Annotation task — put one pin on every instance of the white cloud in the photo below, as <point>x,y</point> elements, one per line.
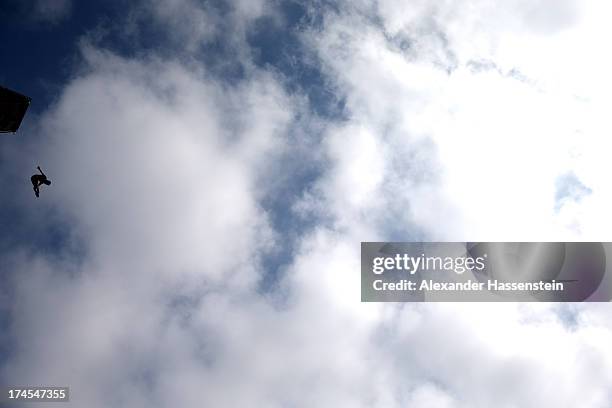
<point>150,143</point>
<point>500,137</point>
<point>161,189</point>
<point>163,171</point>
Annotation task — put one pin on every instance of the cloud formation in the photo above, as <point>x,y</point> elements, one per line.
<point>164,172</point>
<point>503,109</point>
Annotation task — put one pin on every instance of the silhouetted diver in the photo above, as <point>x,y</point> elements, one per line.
<point>38,180</point>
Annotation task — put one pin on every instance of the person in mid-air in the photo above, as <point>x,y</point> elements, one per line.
<point>39,180</point>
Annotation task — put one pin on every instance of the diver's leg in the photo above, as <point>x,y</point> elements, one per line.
<point>36,191</point>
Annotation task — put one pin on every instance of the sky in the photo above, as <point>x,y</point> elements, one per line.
<point>216,164</point>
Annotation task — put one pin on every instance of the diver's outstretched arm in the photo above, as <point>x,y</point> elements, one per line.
<point>41,172</point>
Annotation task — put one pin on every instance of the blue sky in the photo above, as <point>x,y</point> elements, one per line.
<point>34,41</point>
<point>216,165</point>
<point>39,55</point>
